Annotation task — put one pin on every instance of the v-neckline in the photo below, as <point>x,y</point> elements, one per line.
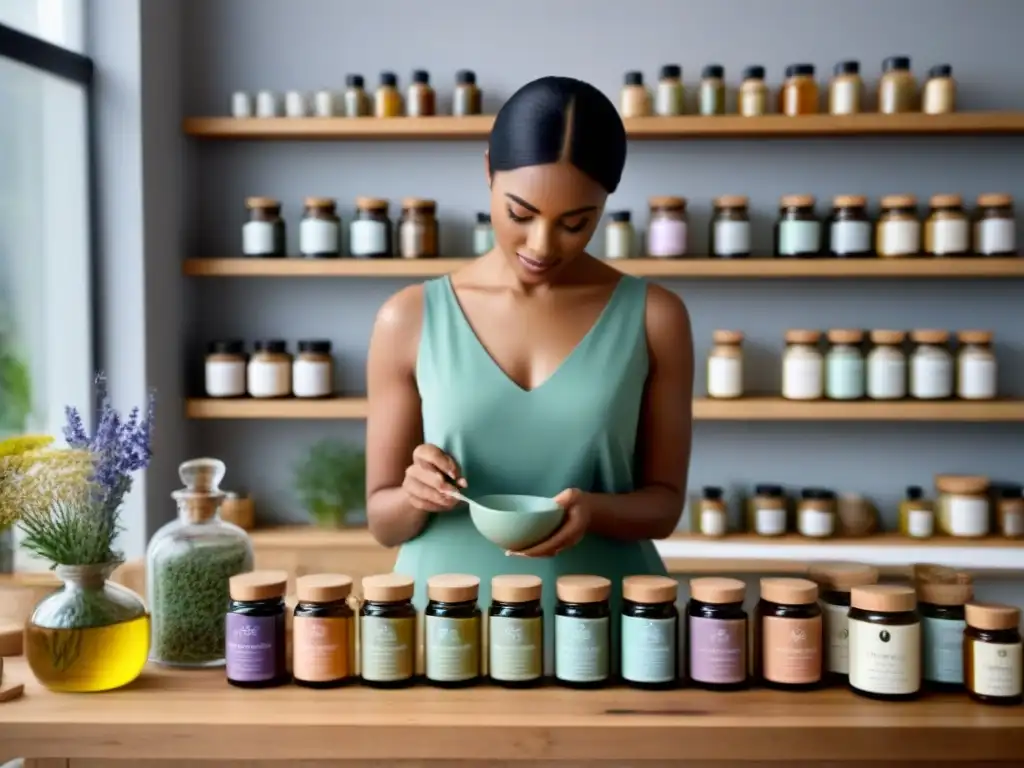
<point>573,353</point>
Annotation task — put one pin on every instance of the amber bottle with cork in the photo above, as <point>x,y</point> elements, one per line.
<point>387,631</point>
<point>255,628</point>
<point>943,622</point>
<point>323,632</point>
<point>798,230</point>
<point>788,635</point>
<point>993,662</point>
<point>885,642</point>
<point>799,94</point>
<point>947,230</point>
<point>421,100</point>
<point>452,631</point>
<point>898,234</point>
<point>516,631</point>
<point>650,632</point>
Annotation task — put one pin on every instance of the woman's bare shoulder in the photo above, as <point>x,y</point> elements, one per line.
<point>667,319</point>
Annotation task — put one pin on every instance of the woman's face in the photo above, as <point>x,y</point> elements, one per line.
<point>543,217</point>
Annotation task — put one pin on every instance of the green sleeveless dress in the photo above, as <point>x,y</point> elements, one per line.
<point>578,429</point>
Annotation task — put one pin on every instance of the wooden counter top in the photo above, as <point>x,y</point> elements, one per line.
<point>196,716</point>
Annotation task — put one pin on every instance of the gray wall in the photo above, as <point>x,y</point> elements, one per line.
<point>252,44</point>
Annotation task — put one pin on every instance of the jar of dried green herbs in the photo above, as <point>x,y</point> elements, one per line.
<point>188,564</point>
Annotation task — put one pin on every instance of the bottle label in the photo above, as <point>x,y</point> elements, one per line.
<point>725,376</point>
<point>581,649</point>
<point>815,523</point>
<point>319,236</point>
<point>668,100</point>
<point>920,523</point>
<point>666,238</point>
<point>837,632</point>
<point>850,237</point>
<point>322,648</point>
<point>901,237</point>
<point>967,516</point>
<point>844,377</point>
<point>718,650</point>
<point>258,238</point>
<point>731,238</point>
<point>770,522</point>
<point>516,648</point>
<point>998,669</point>
<point>884,659</point>
<point>452,648</point>
<point>387,648</point>
<point>887,375</point>
<point>799,237</point>
<point>943,649</point>
<point>269,378</point>
<point>950,236</point>
<point>792,650</point>
<point>311,378</point>
<point>618,241</point>
<point>251,648</point>
<point>225,379</point>
<point>931,376</point>
<point>712,522</point>
<point>367,237</point>
<point>649,651</point>
<point>977,377</point>
<point>1013,523</point>
<point>995,236</point>
<point>802,377</point>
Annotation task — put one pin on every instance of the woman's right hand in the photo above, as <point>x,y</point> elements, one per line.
<point>425,482</point>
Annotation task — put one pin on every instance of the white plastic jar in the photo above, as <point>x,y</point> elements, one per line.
<point>844,365</point>
<point>963,505</point>
<point>224,368</point>
<point>931,365</point>
<point>976,366</point>
<point>887,366</point>
<point>803,367</point>
<point>270,370</point>
<point>725,365</point>
<point>313,370</point>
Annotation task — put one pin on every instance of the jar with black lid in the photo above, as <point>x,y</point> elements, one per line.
<point>369,234</point>
<point>885,642</point>
<point>993,662</point>
<point>942,632</point>
<point>583,631</point>
<point>835,581</point>
<point>788,635</point>
<point>716,628</point>
<point>849,227</point>
<point>650,632</point>
<point>516,632</point>
<point>798,231</point>
<point>255,630</point>
<point>452,631</point>
<point>387,631</point>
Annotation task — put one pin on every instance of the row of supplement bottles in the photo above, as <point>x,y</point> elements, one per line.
<point>897,91</point>
<point>270,371</point>
<point>370,233</point>
<point>420,99</point>
<point>965,506</point>
<point>667,235</point>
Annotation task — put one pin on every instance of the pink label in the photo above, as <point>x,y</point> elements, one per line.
<point>666,238</point>
<point>718,650</point>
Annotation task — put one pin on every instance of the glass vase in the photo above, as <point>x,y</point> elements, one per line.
<point>91,635</point>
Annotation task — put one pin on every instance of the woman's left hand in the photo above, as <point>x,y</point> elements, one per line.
<point>575,524</point>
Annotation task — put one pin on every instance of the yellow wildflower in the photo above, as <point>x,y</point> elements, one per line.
<point>32,481</point>
<point>15,446</point>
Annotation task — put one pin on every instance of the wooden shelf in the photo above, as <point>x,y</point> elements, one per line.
<point>446,127</point>
<point>698,267</point>
<point>747,409</point>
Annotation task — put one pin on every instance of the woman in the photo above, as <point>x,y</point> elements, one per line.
<point>535,369</point>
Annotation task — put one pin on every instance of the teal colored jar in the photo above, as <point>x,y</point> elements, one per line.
<point>483,234</point>
<point>844,365</point>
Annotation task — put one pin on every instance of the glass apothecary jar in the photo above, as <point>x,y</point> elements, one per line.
<point>931,365</point>
<point>887,366</point>
<point>897,88</point>
<point>898,234</point>
<point>849,228</point>
<point>798,231</point>
<point>1010,512</point>
<point>667,228</point>
<point>976,366</point>
<point>917,514</point>
<point>418,233</point>
<point>816,513</point>
<point>995,230</point>
<point>725,365</point>
<point>189,562</point>
<point>947,230</point>
<point>767,513</point>
<point>730,227</point>
<point>844,365</point>
<point>964,507</point>
<point>803,367</point>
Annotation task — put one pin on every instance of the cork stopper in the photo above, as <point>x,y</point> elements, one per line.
<point>842,577</point>
<point>727,337</point>
<point>201,497</point>
<point>323,203</point>
<point>929,336</point>
<point>888,337</point>
<point>994,200</point>
<point>261,202</point>
<point>418,204</point>
<point>453,588</point>
<point>731,201</point>
<point>796,201</point>
<point>512,588</point>
<point>582,589</point>
<point>975,337</point>
<point>717,590</point>
<point>845,335</point>
<point>802,336</point>
<point>258,585</point>
<point>899,201</point>
<point>946,201</point>
<point>945,594</point>
<point>992,616</point>
<point>884,598</point>
<point>939,574</point>
<point>650,590</point>
<point>970,485</point>
<point>785,591</point>
<point>849,201</point>
<point>371,204</point>
<point>669,202</point>
<point>388,588</point>
<point>323,588</point>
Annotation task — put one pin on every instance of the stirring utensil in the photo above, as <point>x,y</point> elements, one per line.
<point>454,491</point>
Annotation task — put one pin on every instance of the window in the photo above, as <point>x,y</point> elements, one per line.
<point>46,313</point>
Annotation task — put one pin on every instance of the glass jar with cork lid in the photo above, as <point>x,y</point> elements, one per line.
<point>797,231</point>
<point>947,230</point>
<point>931,365</point>
<point>725,365</point>
<point>887,366</point>
<point>418,229</point>
<point>788,635</point>
<point>583,631</point>
<point>993,654</point>
<point>816,513</point>
<point>650,632</point>
<point>767,510</point>
<point>995,230</point>
<point>897,88</point>
<point>730,227</point>
<point>387,631</point>
<point>898,234</point>
<point>885,642</point>
<point>667,229</point>
<point>263,233</point>
<point>803,367</point>
<point>835,580</point>
<point>255,649</point>
<point>976,366</point>
<point>323,632</point>
<point>844,364</point>
<point>849,230</point>
<point>370,232</point>
<point>716,627</point>
<point>320,229</point>
<point>516,631</point>
<point>964,507</point>
<point>452,631</point>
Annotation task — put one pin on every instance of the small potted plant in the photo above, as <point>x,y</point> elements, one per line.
<point>330,482</point>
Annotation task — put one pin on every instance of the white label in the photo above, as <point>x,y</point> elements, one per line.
<point>649,649</point>
<point>885,659</point>
<point>976,379</point>
<point>225,378</point>
<point>769,522</point>
<point>887,375</point>
<point>998,669</point>
<point>1013,523</point>
<point>266,379</point>
<point>799,237</point>
<point>900,238</point>
<point>995,236</point>
<point>618,241</point>
<point>367,237</point>
<point>815,524</point>
<point>920,523</point>
<point>802,377</point>
<point>950,236</point>
<point>712,522</point>
<point>967,517</point>
<point>311,378</point>
<point>731,238</point>
<point>931,375</point>
<point>581,649</point>
<point>851,237</point>
<point>319,236</point>
<point>837,652</point>
<point>666,238</point>
<point>725,376</point>
<point>258,238</point>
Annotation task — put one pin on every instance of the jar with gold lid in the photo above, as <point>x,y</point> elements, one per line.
<point>263,233</point>
<point>799,93</point>
<point>897,89</point>
<point>887,366</point>
<point>975,366</point>
<point>417,229</point>
<point>270,370</point>
<point>767,512</point>
<point>849,227</point>
<point>320,229</point>
<point>995,230</point>
<point>835,581</point>
<point>931,365</point>
<point>753,94</point>
<point>1010,512</point>
<point>730,227</point>
<point>667,229</point>
<point>725,365</point>
<point>947,230</point>
<point>939,96</point>
<point>993,654</point>
<point>898,233</point>
<point>816,513</point>
<point>963,505</point>
<point>844,364</point>
<point>369,234</point>
<point>846,91</point>
<point>798,231</point>
<point>803,367</point>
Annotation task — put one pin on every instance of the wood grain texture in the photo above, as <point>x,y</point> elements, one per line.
<point>674,763</point>
<point>197,716</point>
